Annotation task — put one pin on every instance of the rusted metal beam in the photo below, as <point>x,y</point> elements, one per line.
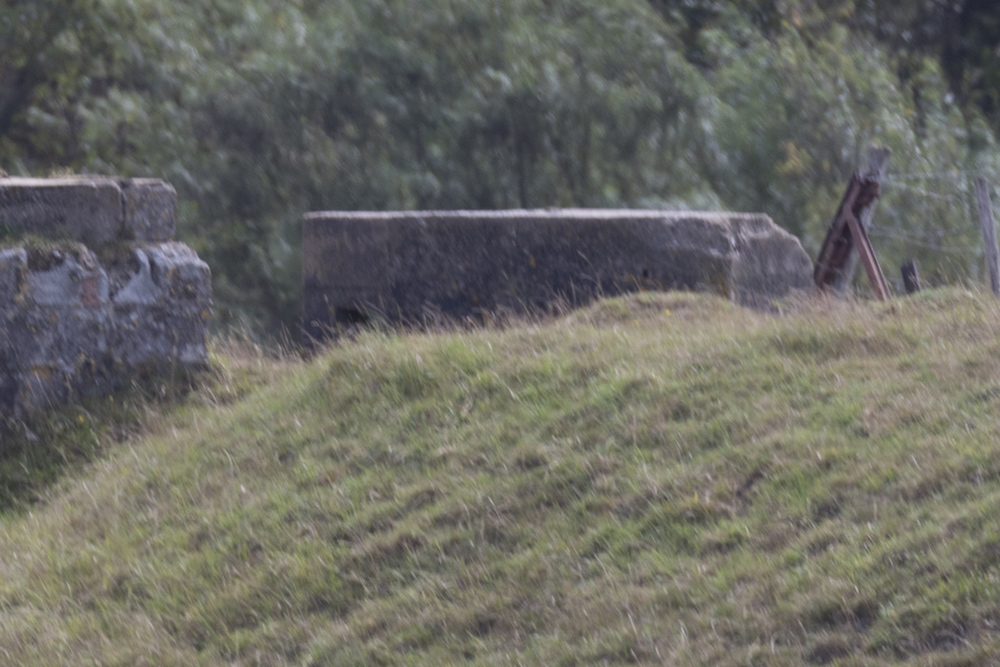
<point>839,242</point>
<point>875,276</point>
<point>878,162</point>
<point>846,234</point>
<point>911,276</point>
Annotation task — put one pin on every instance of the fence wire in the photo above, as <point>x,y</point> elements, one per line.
<point>924,196</point>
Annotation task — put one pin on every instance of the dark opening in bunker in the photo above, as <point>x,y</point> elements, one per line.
<point>350,316</point>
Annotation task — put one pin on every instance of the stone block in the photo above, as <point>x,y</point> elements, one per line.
<point>163,309</point>
<point>770,264</point>
<point>66,277</point>
<point>56,351</point>
<point>403,267</point>
<point>166,272</point>
<point>178,272</point>
<point>150,335</point>
<point>72,325</point>
<point>150,210</point>
<point>88,210</point>
<point>13,275</point>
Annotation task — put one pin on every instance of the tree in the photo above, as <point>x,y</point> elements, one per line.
<point>42,55</point>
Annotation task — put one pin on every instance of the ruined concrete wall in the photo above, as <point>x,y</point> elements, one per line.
<point>92,289</point>
<point>406,266</point>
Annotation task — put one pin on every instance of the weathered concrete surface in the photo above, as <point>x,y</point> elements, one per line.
<point>404,267</point>
<point>63,332</point>
<point>79,209</point>
<point>162,312</point>
<point>72,323</point>
<point>91,210</point>
<point>150,209</point>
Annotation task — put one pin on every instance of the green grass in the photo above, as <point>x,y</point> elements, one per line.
<point>656,479</point>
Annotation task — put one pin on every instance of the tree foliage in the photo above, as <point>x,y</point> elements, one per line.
<point>258,111</point>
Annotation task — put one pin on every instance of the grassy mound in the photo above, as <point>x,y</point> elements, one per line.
<point>657,479</point>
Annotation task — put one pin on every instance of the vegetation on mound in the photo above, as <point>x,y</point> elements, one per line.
<point>659,478</point>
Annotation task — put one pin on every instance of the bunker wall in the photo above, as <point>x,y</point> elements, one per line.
<point>407,267</point>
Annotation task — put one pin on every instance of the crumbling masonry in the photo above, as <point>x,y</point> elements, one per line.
<point>93,289</point>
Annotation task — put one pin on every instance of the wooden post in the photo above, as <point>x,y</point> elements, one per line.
<point>878,162</point>
<point>911,277</point>
<point>989,234</point>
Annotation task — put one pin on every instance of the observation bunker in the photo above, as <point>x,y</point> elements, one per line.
<point>413,267</point>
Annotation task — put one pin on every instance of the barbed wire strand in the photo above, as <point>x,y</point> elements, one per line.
<point>922,241</point>
<point>907,236</point>
<point>923,192</point>
<point>931,175</point>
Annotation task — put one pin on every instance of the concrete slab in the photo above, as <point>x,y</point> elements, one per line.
<point>408,267</point>
<point>88,210</point>
<point>150,210</point>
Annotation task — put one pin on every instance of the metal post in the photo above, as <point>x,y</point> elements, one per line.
<point>989,234</point>
<point>878,162</point>
<point>911,277</point>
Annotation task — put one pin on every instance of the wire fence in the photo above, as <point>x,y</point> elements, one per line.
<point>934,175</point>
<point>932,216</point>
<point>930,244</point>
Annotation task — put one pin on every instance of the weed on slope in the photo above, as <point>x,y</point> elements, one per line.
<point>656,479</point>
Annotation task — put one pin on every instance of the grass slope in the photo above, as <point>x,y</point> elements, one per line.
<point>658,479</point>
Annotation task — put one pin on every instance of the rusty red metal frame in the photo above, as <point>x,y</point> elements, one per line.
<point>846,233</point>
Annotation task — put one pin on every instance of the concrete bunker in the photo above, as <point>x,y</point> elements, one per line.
<point>93,289</point>
<point>407,267</point>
